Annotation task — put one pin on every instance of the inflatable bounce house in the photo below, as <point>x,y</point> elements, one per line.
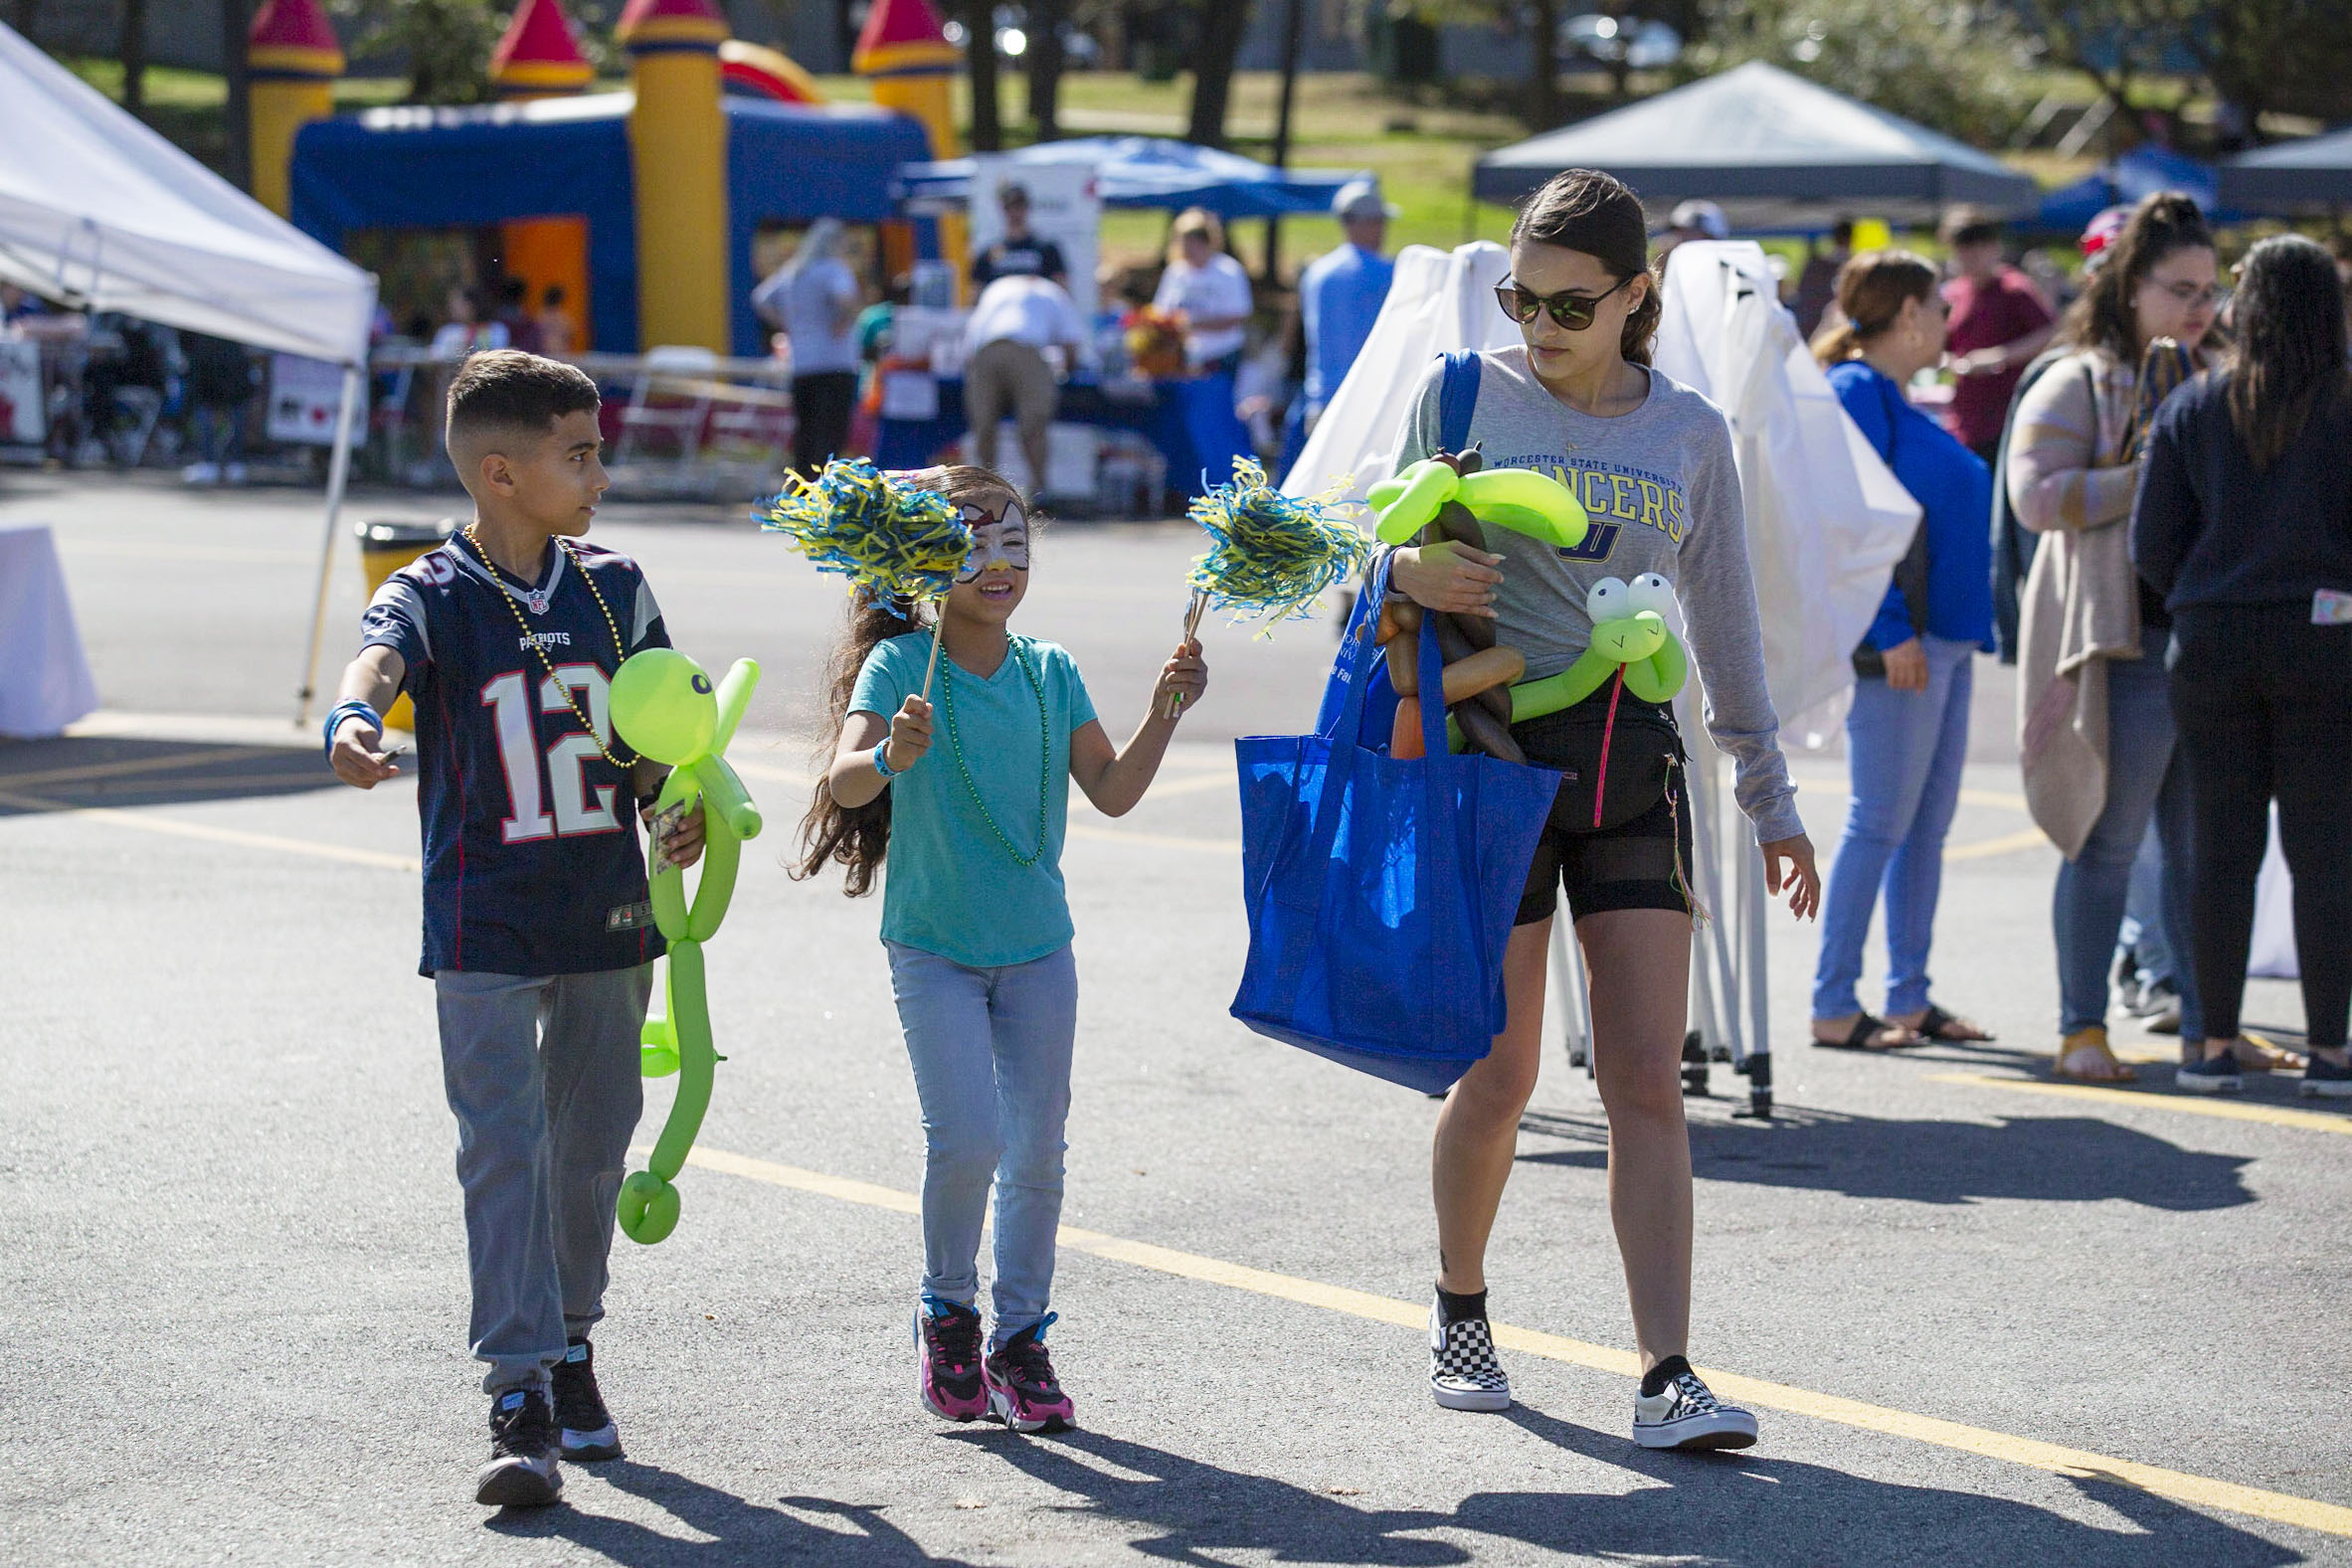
<point>642,203</point>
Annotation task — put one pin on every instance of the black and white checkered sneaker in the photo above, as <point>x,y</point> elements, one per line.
<point>1683,1414</point>
<point>1464,1373</point>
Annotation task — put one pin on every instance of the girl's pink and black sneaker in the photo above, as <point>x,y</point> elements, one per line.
<point>951,1382</point>
<point>1023,1393</point>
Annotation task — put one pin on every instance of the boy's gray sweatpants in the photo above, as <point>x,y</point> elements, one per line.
<point>543,1074</point>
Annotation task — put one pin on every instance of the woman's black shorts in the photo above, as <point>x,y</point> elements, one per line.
<point>1639,864</point>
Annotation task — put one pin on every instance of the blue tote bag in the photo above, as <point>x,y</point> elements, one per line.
<point>1380,891</point>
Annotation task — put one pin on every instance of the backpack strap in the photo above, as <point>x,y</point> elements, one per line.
<point>1457,399</point>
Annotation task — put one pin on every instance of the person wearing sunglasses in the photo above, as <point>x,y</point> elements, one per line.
<point>2094,720</point>
<point>1651,463</point>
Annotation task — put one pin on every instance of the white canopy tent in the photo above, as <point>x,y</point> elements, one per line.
<point>98,212</point>
<point>1826,523</point>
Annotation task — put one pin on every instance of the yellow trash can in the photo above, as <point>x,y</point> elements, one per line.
<point>384,547</point>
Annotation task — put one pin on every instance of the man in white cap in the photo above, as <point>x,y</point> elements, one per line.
<point>1339,294</point>
<point>1693,220</point>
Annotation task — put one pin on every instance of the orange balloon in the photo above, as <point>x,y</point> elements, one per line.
<point>1404,735</point>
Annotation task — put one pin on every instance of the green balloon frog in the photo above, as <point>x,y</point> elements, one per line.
<point>664,707</point>
<point>1629,633</point>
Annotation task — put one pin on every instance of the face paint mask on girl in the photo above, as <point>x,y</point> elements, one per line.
<point>996,539</point>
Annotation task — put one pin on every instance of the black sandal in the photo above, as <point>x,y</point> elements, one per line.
<point>1935,1020</point>
<point>1866,1026</point>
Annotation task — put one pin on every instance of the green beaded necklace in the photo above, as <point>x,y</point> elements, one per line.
<point>947,700</point>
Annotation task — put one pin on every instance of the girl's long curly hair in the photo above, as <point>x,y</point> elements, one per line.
<point>858,838</point>
<point>2291,351</point>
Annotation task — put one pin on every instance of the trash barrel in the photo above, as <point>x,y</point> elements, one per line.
<point>385,546</point>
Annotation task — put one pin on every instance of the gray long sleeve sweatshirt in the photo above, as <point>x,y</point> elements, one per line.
<point>1663,495</point>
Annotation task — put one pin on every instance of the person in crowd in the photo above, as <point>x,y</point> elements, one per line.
<point>2000,321</point>
<point>557,337</point>
<point>876,321</point>
<point>1021,252</point>
<point>1578,400</point>
<point>1693,220</point>
<point>1209,290</point>
<point>1817,284</point>
<point>1906,734</point>
<point>2243,523</point>
<point>1341,293</point>
<point>1015,324</point>
<point>2094,725</point>
<point>465,333</point>
<point>220,388</point>
<point>814,299</point>
<point>514,314</point>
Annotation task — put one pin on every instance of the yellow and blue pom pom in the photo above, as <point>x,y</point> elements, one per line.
<point>1272,555</point>
<point>893,540</point>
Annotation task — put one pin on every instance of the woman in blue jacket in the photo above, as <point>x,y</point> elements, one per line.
<point>1907,735</point>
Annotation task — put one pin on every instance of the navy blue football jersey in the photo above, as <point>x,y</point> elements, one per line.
<point>531,856</point>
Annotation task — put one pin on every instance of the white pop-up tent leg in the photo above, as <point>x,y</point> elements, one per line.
<point>338,473</point>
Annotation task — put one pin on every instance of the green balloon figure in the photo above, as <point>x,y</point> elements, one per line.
<point>1629,633</point>
<point>664,707</point>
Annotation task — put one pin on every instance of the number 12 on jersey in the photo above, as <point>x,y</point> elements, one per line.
<point>578,810</point>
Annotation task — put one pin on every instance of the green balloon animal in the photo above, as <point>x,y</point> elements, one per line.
<point>1629,633</point>
<point>664,707</point>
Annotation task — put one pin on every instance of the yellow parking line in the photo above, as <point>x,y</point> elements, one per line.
<point>2227,1110</point>
<point>148,822</point>
<point>134,765</point>
<point>1985,849</point>
<point>2180,1486</point>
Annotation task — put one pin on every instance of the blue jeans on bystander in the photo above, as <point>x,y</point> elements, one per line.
<point>1905,751</point>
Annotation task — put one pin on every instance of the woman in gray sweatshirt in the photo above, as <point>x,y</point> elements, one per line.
<point>1651,463</point>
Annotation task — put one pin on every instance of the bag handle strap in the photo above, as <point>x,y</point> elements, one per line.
<point>1457,399</point>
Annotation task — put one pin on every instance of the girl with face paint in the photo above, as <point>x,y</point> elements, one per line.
<point>966,794</point>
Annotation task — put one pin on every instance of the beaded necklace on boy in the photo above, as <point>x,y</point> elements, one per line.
<point>947,700</point>
<point>539,603</point>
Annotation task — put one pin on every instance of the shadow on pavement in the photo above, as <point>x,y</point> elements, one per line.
<point>1711,1509</point>
<point>2047,1159</point>
<point>739,1531</point>
<point>106,771</point>
<point>1757,1512</point>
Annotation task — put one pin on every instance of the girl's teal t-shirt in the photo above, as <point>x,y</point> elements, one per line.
<point>949,886</point>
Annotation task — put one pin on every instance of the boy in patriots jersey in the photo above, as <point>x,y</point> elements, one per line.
<point>538,933</point>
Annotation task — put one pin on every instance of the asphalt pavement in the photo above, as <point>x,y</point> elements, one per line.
<point>1984,1319</point>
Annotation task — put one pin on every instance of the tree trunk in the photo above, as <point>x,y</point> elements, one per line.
<point>235,19</point>
<point>1293,20</point>
<point>979,55</point>
<point>1543,109</point>
<point>134,56</point>
<point>1219,44</point>
<point>1045,62</point>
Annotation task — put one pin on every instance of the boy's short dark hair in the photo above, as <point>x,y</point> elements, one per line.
<point>505,388</point>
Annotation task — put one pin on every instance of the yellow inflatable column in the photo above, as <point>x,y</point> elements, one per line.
<point>678,137</point>
<point>293,58</point>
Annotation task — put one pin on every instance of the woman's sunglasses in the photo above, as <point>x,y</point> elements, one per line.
<point>1573,312</point>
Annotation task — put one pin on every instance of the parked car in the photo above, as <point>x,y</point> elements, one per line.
<point>1611,41</point>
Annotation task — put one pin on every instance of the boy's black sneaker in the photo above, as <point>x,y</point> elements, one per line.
<point>522,1471</point>
<point>587,1432</point>
<point>2323,1079</point>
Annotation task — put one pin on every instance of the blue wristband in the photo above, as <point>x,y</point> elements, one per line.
<point>882,763</point>
<point>348,710</point>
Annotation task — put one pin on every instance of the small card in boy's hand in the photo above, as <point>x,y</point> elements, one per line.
<point>663,824</point>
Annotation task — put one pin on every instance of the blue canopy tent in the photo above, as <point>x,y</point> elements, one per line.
<point>2313,175</point>
<point>1152,171</point>
<point>431,168</point>
<point>2138,174</point>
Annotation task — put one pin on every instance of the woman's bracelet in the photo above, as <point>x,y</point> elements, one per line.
<point>882,760</point>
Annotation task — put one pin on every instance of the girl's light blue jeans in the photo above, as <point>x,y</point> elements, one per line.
<point>1905,750</point>
<point>2143,784</point>
<point>990,1050</point>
